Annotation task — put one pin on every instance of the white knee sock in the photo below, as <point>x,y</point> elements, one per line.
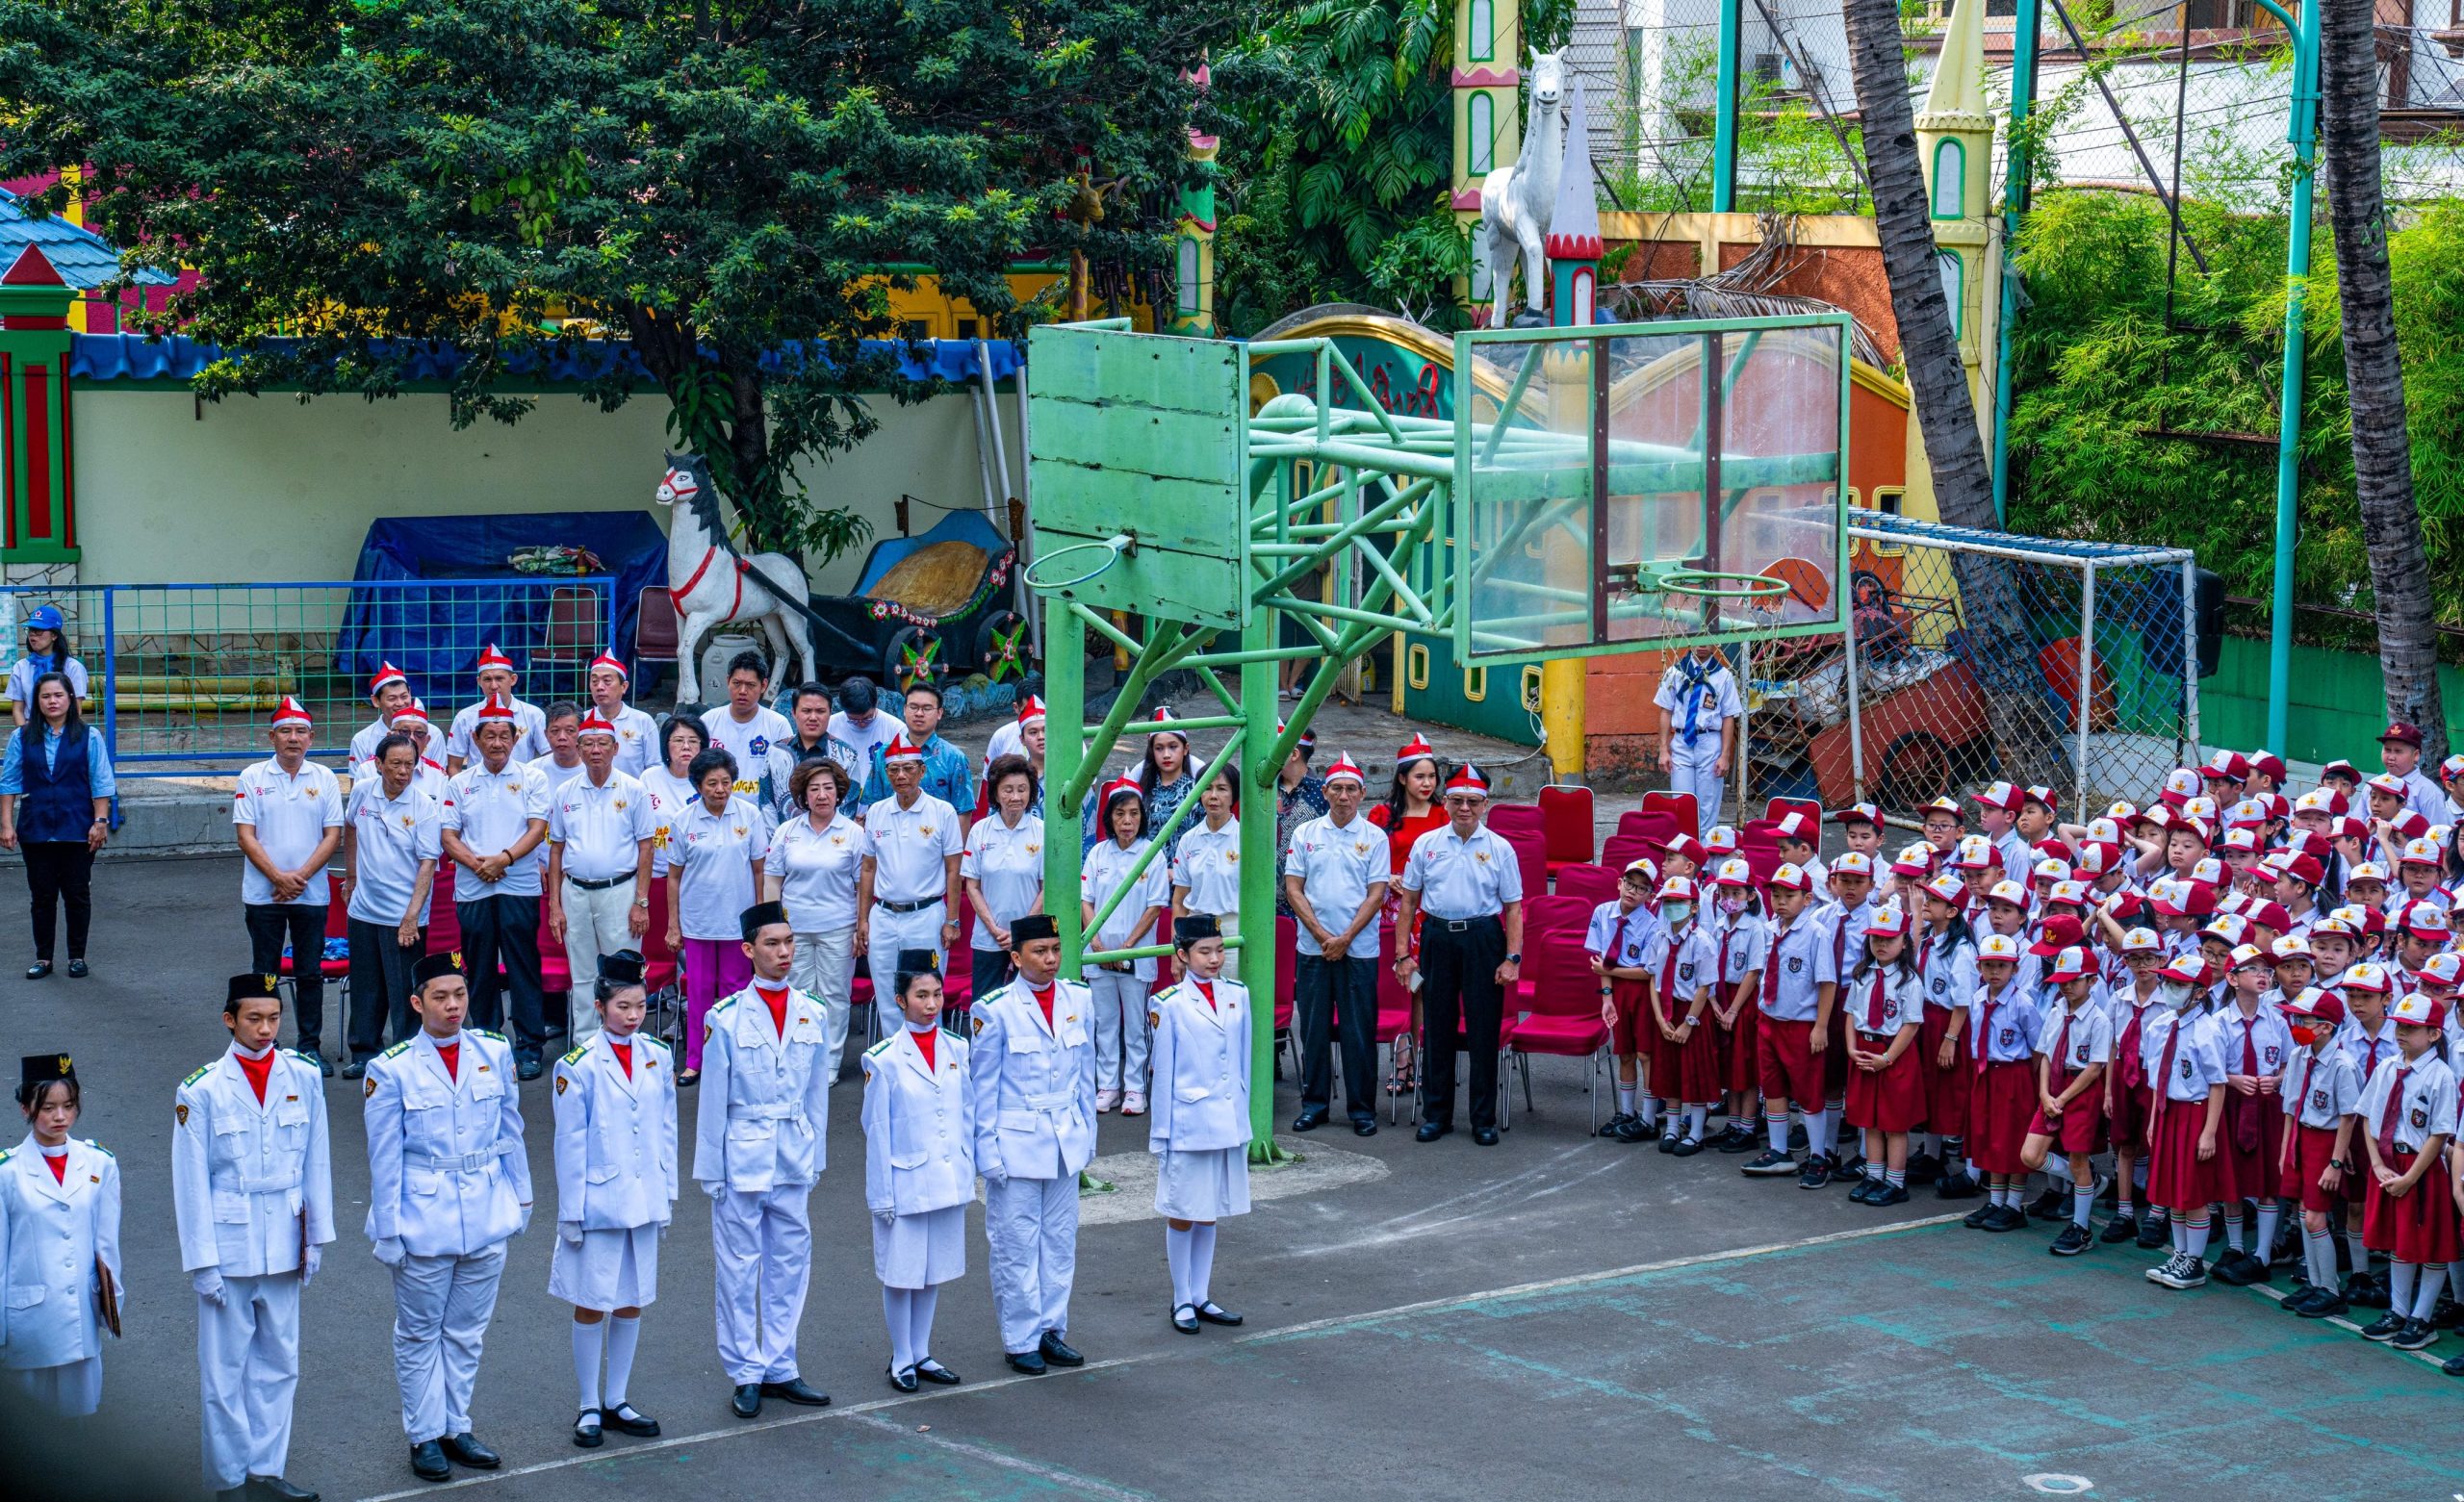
<point>2233,1229</point>
<point>1201,1262</point>
<point>2057,1167</point>
<point>1818,1132</point>
<point>2360,1253</point>
<point>2195,1235</point>
<point>1646,1109</point>
<point>2083,1199</point>
<point>1695,1117</point>
<point>895,1304</point>
<point>623,1335</point>
<point>2270,1218</point>
<point>1176,1253</point>
<point>2319,1251</point>
<point>1626,1098</point>
<point>919,1321</point>
<point>2181,1237</point>
<point>588,1341</point>
<point>2400,1286</point>
<point>1776,1124</point>
<point>2425,1300</point>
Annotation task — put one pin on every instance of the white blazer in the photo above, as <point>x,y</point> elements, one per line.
<point>765,1111</point>
<point>1201,1061</point>
<point>51,1234</point>
<point>616,1136</point>
<point>1034,1086</point>
<point>253,1183</point>
<point>446,1173</point>
<point>919,1126</point>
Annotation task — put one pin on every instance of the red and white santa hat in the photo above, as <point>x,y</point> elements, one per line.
<point>1345,769</point>
<point>594,724</point>
<point>607,660</point>
<point>494,708</point>
<point>1468,780</point>
<point>901,748</point>
<point>290,712</point>
<point>412,711</point>
<point>1163,720</point>
<point>1417,749</point>
<point>490,657</point>
<point>387,675</point>
<point>1030,712</point>
<point>1119,788</point>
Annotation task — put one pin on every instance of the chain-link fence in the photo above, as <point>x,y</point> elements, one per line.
<point>1973,656</point>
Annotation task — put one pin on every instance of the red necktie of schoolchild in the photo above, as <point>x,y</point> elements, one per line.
<point>2388,1114</point>
<point>2247,1107</point>
<point>1874,1003</point>
<point>2062,1046</point>
<point>1771,968</point>
<point>2164,1080</point>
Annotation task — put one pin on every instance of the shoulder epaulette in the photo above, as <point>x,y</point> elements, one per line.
<point>575,1057</point>
<point>202,1070</point>
<point>485,1033</point>
<point>9,1154</point>
<point>883,1044</point>
<point>302,1057</point>
<point>98,1147</point>
<point>722,1006</point>
<point>396,1049</point>
<point>653,1042</point>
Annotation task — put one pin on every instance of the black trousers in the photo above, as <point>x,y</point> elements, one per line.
<point>504,930</point>
<point>57,872</point>
<point>993,970</point>
<point>1459,984</point>
<point>1337,996</point>
<point>380,985</point>
<point>303,925</point>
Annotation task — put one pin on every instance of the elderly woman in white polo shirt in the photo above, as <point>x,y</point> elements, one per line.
<point>712,860</point>
<point>812,867</point>
<point>1003,870</point>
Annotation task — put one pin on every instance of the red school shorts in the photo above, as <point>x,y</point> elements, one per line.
<point>1787,1068</point>
<point>2310,1149</point>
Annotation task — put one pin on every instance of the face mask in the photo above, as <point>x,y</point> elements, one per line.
<point>2173,993</point>
<point>1732,903</point>
<point>1677,914</point>
<point>2306,1033</point>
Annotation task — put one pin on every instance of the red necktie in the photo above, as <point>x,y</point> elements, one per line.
<point>1206,988</point>
<point>1771,968</point>
<point>923,1041</point>
<point>58,1164</point>
<point>776,1002</point>
<point>451,1054</point>
<point>2387,1116</point>
<point>1043,999</point>
<point>2247,1107</point>
<point>1726,936</point>
<point>1874,1004</point>
<point>2062,1045</point>
<point>1668,981</point>
<point>624,1056</point>
<point>1983,1042</point>
<point>2165,1066</point>
<point>257,1069</point>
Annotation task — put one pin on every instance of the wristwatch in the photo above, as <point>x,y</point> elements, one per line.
<point>1515,959</point>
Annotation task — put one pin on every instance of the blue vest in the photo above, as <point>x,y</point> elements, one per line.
<point>60,800</point>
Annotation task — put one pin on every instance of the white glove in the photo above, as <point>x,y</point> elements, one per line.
<point>389,1251</point>
<point>713,1187</point>
<point>208,1282</point>
<point>997,1174</point>
<point>523,1228</point>
<point>310,1260</point>
<point>570,1230</point>
<point>886,1216</point>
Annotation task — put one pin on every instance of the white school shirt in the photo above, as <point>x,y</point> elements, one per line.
<point>1680,965</point>
<point>1337,864</point>
<point>2085,1035</point>
<point>2197,1066</point>
<point>2428,1108</point>
<point>23,675</point>
<point>1740,943</point>
<point>290,812</point>
<point>636,738</point>
<point>1796,965</point>
<point>2422,796</point>
<point>1458,878</point>
<point>1621,938</point>
<point>529,731</point>
<point>392,836</point>
<point>1949,972</point>
<point>490,810</point>
<point>716,852</point>
<point>2271,1040</point>
<point>1208,862</point>
<point>1105,867</point>
<point>1008,862</point>
<point>749,741</point>
<point>2004,1027</point>
<point>1883,1000</point>
<point>818,871</point>
<point>601,826</point>
<point>2320,1088</point>
<point>557,777</point>
<point>908,846</point>
<point>1719,700</point>
<point>2367,1050</point>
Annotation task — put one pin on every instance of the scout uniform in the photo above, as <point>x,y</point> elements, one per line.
<point>59,1243</point>
<point>919,1177</point>
<point>252,1186</point>
<point>1200,1126</point>
<point>1031,1072</point>
<point>1699,695</point>
<point>759,1147</point>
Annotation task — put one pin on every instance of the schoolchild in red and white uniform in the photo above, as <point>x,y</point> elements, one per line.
<point>2408,1118</point>
<point>2074,1046</point>
<point>1998,1055</point>
<point>2128,1095</point>
<point>1740,937</point>
<point>1683,961</point>
<point>1796,999</point>
<point>1883,1007</point>
<point>1620,933</point>
<point>2256,1047</point>
<point>2322,1092</point>
<point>2188,1170</point>
<point>1946,958</point>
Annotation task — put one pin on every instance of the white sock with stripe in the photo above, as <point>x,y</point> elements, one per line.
<point>2083,1199</point>
<point>2400,1286</point>
<point>2425,1300</point>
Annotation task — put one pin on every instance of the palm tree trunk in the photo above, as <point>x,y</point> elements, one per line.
<point>2382,460</point>
<point>2000,650</point>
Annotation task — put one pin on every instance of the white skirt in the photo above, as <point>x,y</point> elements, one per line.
<point>920,1251</point>
<point>73,1390</point>
<point>1202,1185</point>
<point>610,1270</point>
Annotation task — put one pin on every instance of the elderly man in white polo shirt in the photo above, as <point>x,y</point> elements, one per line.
<point>907,893</point>
<point>494,820</point>
<point>598,869</point>
<point>389,844</point>
<point>1464,878</point>
<point>636,732</point>
<point>288,814</point>
<point>1335,879</point>
<point>496,681</point>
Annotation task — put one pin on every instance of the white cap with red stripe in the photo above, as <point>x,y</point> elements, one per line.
<point>387,675</point>
<point>1030,712</point>
<point>900,749</point>
<point>594,724</point>
<point>1468,780</point>
<point>607,660</point>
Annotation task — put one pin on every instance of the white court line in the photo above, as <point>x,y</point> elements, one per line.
<point>1081,1486</point>
<point>2280,1296</point>
<point>861,1412</point>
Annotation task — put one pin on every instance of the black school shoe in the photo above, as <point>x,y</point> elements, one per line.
<point>1865,1190</point>
<point>2073,1240</point>
<point>2324,1304</point>
<point>2416,1335</point>
<point>1637,1130</point>
<point>1737,1138</point>
<point>2121,1227</point>
<point>1976,1218</point>
<point>1818,1172</point>
<point>2155,1230</point>
<point>1923,1168</point>
<point>2386,1326</point>
<point>2239,1269</point>
<point>2006,1217</point>
<point>1961,1185</point>
<point>2051,1204</point>
<point>1771,1165</point>
<point>1887,1193</point>
<point>2365,1290</point>
<point>1615,1126</point>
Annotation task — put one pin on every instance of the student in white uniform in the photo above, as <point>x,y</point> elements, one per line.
<point>1121,987</point>
<point>1200,1127</point>
<point>252,1186</point>
<point>1699,709</point>
<point>907,895</point>
<point>1033,1075</point>
<point>496,674</point>
<point>615,1103</point>
<point>759,1147</point>
<point>59,1243</point>
<point>448,1187</point>
<point>2322,1093</point>
<point>2407,1115</point>
<point>920,1167</point>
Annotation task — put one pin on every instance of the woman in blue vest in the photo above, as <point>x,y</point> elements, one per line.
<point>56,792</point>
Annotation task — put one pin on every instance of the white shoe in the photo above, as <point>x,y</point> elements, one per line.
<point>1133,1104</point>
<point>1106,1100</point>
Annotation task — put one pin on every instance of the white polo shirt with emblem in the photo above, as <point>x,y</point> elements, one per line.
<point>598,824</point>
<point>529,731</point>
<point>1458,878</point>
<point>490,810</point>
<point>1337,864</point>
<point>390,836</point>
<point>908,847</point>
<point>290,812</point>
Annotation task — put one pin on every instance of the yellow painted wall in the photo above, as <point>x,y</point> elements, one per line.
<point>942,317</point>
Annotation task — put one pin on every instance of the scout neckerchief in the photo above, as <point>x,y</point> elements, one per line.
<point>1696,676</point>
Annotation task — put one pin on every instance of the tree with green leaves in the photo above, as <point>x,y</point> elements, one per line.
<point>732,186</point>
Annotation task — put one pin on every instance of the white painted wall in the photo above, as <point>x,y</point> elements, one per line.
<point>268,488</point>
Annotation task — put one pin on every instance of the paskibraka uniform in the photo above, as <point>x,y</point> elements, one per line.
<point>449,1185</point>
<point>919,1177</point>
<point>59,1220</point>
<point>1033,1073</point>
<point>757,1150</point>
<point>616,1171</point>
<point>252,1186</point>
<point>1199,1126</point>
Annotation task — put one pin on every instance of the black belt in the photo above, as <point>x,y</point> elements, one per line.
<point>1463,924</point>
<point>599,886</point>
<point>906,907</point>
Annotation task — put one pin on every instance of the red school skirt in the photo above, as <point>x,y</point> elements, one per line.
<point>1946,1091</point>
<point>2312,1148</point>
<point>2252,1134</point>
<point>2001,1102</point>
<point>1789,1071</point>
<point>2418,1228</point>
<point>1740,1057</point>
<point>2081,1131</point>
<point>1687,1073</point>
<point>2177,1179</point>
<point>1887,1100</point>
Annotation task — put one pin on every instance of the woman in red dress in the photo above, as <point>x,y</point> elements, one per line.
<point>1411,811</point>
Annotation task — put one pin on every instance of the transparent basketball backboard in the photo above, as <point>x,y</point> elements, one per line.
<point>1648,484</point>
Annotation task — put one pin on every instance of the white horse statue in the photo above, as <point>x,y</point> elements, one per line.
<point>712,584</point>
<point>1516,201</point>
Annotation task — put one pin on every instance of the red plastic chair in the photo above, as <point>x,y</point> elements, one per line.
<point>444,920</point>
<point>1394,1015</point>
<point>1655,825</point>
<point>1531,860</point>
<point>1564,1022</point>
<point>1287,970</point>
<point>1566,820</point>
<point>1517,818</point>
<point>1558,914</point>
<point>1621,850</point>
<point>1679,809</point>
<point>337,926</point>
<point>1588,884</point>
<point>1779,809</point>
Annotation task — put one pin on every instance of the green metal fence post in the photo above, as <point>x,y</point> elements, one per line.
<point>1258,875</point>
<point>2303,132</point>
<point>2014,204</point>
<point>1724,114</point>
<point>1065,697</point>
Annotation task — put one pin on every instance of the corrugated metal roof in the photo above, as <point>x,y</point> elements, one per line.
<point>84,259</point>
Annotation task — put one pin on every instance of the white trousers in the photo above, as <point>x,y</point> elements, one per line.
<point>890,934</point>
<point>1695,769</point>
<point>825,970</point>
<point>442,1306</point>
<point>596,923</point>
<point>248,1358</point>
<point>764,1246</point>
<point>1030,1227</point>
<point>1120,1028</point>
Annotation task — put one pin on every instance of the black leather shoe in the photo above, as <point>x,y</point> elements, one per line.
<point>589,1431</point>
<point>1430,1131</point>
<point>39,970</point>
<point>464,1449</point>
<point>1485,1136</point>
<point>324,1067</point>
<point>1184,1318</point>
<point>747,1401</point>
<point>903,1381</point>
<point>1365,1127</point>
<point>1214,1314</point>
<point>1026,1364</point>
<point>794,1390</point>
<point>77,970</point>
<point>1059,1352</point>
<point>526,1069</point>
<point>354,1069</point>
<point>429,1464</point>
<point>278,1488</point>
<point>936,1373</point>
<point>626,1418</point>
<point>1309,1121</point>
